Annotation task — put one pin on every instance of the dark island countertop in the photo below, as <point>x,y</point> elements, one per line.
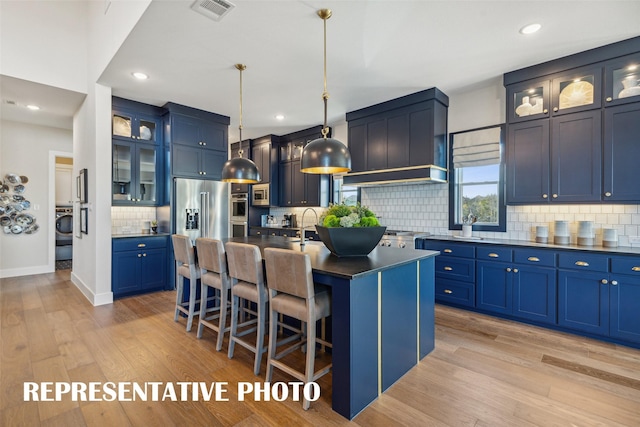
<point>322,261</point>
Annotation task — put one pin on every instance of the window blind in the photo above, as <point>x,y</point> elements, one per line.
<point>476,148</point>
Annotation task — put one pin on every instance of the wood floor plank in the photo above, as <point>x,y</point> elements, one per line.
<point>104,414</point>
<point>21,415</point>
<point>52,370</point>
<point>15,361</point>
<point>42,343</point>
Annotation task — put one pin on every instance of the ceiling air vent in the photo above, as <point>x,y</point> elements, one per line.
<point>214,9</point>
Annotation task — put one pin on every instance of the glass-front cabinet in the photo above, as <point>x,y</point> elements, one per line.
<point>134,126</point>
<point>134,174</point>
<point>528,100</point>
<point>622,84</point>
<point>577,90</point>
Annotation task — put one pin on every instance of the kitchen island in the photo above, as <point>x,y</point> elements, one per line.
<point>382,315</point>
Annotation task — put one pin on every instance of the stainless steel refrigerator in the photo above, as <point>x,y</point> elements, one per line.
<point>201,208</point>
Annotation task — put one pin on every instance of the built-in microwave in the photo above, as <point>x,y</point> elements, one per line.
<point>260,195</point>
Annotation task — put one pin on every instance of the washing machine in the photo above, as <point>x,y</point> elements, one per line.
<point>64,233</point>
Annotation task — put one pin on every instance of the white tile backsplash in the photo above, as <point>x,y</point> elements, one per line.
<point>129,219</point>
<point>425,207</point>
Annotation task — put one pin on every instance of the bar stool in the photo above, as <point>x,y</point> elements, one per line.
<point>186,267</point>
<point>213,274</point>
<point>293,293</point>
<point>247,282</point>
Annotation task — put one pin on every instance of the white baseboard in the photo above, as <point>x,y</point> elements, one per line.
<point>27,271</point>
<point>94,299</point>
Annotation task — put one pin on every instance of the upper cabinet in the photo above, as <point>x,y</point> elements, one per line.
<point>137,163</point>
<point>399,140</point>
<point>622,80</point>
<point>562,116</point>
<point>198,141</point>
<point>297,188</point>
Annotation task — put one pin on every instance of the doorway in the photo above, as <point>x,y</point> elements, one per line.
<point>63,197</point>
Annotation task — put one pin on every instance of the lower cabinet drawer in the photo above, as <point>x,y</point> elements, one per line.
<point>583,261</point>
<point>456,268</point>
<point>455,292</point>
<point>626,266</point>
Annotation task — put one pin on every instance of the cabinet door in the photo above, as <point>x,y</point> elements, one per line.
<point>185,161</point>
<point>286,189</point>
<point>153,269</point>
<point>422,136</point>
<point>125,272</point>
<point>583,301</point>
<point>122,173</point>
<point>624,294</point>
<point>527,101</point>
<point>622,80</point>
<point>64,184</point>
<point>534,293</point>
<point>261,156</point>
<point>212,164</point>
<point>576,153</point>
<point>493,287</point>
<point>297,185</point>
<point>214,136</point>
<point>577,90</point>
<point>528,162</point>
<point>185,130</point>
<point>147,174</point>
<point>621,153</point>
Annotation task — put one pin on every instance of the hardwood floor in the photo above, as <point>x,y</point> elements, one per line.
<point>483,372</point>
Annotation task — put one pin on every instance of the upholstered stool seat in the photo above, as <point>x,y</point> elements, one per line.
<point>293,293</point>
<point>247,283</point>
<point>213,267</point>
<point>186,267</point>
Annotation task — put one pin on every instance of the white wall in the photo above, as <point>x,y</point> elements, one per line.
<point>24,150</point>
<point>44,42</point>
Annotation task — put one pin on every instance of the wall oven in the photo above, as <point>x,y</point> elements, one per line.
<point>260,195</point>
<point>238,218</point>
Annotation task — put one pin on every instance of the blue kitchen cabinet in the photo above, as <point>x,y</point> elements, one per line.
<point>624,295</point>
<point>454,272</point>
<point>494,291</point>
<point>137,161</point>
<point>139,265</point>
<point>583,301</point>
<point>527,164</point>
<point>198,141</point>
<point>621,153</point>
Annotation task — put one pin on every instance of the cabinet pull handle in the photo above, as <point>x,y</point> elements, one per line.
<point>144,254</point>
<point>582,264</point>
<point>141,245</point>
<point>635,268</point>
<point>607,194</point>
<point>604,281</point>
<point>139,255</point>
<point>259,233</point>
<point>533,259</point>
<point>545,195</point>
<point>609,99</point>
<point>555,108</point>
<point>545,111</point>
<point>555,196</point>
<point>447,268</point>
<point>494,255</point>
<point>515,270</point>
<point>508,269</point>
<point>447,251</point>
<point>448,291</point>
<point>614,282</point>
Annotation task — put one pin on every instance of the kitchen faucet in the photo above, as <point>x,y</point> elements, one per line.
<point>303,237</point>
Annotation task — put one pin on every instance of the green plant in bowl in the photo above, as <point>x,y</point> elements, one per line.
<point>349,231</point>
<point>349,216</point>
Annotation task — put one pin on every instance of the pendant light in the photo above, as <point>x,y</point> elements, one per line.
<point>240,170</point>
<point>325,155</point>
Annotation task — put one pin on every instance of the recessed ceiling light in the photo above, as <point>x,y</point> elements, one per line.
<point>530,29</point>
<point>33,107</point>
<point>140,76</point>
<point>279,117</point>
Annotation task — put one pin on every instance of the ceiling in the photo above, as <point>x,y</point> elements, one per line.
<point>376,51</point>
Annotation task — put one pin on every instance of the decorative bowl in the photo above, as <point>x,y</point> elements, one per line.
<point>350,241</point>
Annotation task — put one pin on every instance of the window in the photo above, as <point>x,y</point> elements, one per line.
<point>476,183</point>
<point>348,194</point>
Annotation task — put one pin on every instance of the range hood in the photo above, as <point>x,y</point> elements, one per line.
<point>403,140</point>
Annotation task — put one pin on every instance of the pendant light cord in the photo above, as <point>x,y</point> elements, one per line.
<point>241,68</point>
<point>325,14</point>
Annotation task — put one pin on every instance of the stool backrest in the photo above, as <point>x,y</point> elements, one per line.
<point>183,249</point>
<point>211,255</point>
<point>245,262</point>
<point>289,271</point>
